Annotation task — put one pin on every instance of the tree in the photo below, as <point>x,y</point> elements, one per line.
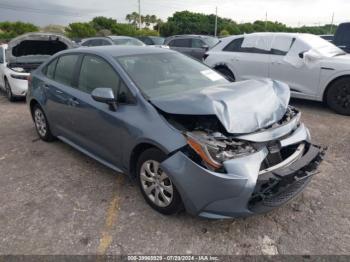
<point>224,33</point>
<point>80,30</point>
<point>12,29</point>
<point>133,18</point>
<point>101,22</point>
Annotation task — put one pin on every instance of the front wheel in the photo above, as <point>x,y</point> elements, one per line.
<point>338,96</point>
<point>41,124</point>
<point>156,186</point>
<point>9,94</point>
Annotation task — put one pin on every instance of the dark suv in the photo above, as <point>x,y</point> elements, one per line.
<point>342,37</point>
<point>191,45</point>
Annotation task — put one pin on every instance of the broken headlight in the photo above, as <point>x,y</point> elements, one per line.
<point>215,148</point>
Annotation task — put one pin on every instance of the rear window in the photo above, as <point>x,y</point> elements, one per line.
<point>65,69</point>
<point>50,69</point>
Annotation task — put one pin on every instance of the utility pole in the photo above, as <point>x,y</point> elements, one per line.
<point>332,24</point>
<point>266,21</point>
<point>216,21</point>
<point>139,14</point>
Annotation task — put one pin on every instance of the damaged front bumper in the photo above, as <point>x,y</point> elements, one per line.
<point>247,186</point>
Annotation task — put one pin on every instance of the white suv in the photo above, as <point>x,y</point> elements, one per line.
<point>12,80</point>
<point>312,67</point>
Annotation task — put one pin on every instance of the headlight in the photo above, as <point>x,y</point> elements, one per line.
<point>20,77</point>
<point>216,149</point>
<point>17,69</point>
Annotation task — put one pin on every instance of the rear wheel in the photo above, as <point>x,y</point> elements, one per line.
<point>41,124</point>
<point>8,90</point>
<point>226,72</point>
<point>338,96</point>
<point>156,186</point>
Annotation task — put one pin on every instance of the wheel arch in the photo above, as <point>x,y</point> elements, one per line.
<point>32,104</point>
<point>135,155</point>
<point>324,97</point>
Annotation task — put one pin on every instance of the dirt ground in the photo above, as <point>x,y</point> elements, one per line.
<point>55,200</point>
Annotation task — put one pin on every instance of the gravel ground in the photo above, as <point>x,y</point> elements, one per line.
<point>55,200</point>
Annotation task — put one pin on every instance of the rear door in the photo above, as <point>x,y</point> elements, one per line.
<point>182,45</point>
<point>198,48</point>
<point>248,58</point>
<point>61,94</point>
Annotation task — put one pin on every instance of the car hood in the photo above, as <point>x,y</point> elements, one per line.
<point>241,107</point>
<point>36,47</point>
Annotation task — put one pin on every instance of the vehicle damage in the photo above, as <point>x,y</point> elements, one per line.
<point>281,150</point>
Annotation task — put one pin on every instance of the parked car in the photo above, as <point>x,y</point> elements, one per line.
<point>329,38</point>
<point>24,54</point>
<point>189,136</point>
<point>152,40</point>
<point>191,45</point>
<point>313,68</point>
<point>342,37</point>
<point>111,40</point>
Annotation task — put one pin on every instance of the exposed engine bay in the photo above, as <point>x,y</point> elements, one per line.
<point>209,139</point>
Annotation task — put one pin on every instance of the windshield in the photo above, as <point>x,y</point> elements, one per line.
<point>168,73</point>
<point>128,41</point>
<point>158,40</point>
<point>322,46</point>
<point>211,41</point>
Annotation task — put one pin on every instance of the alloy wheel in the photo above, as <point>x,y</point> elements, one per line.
<point>156,184</point>
<point>40,122</point>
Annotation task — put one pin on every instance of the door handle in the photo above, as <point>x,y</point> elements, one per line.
<point>234,59</point>
<point>58,91</point>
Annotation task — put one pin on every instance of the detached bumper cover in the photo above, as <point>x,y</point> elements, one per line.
<point>240,192</point>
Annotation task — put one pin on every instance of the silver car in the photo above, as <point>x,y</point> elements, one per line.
<point>189,137</point>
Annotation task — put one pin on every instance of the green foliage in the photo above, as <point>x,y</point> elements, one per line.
<point>224,33</point>
<point>12,29</point>
<point>186,22</point>
<point>58,29</point>
<point>101,22</point>
<point>80,30</point>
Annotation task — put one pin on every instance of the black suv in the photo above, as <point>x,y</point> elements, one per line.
<point>192,45</point>
<point>342,37</point>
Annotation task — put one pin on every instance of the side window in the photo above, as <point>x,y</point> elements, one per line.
<point>50,69</point>
<point>105,42</point>
<point>96,72</point>
<point>86,43</point>
<point>256,44</point>
<point>197,43</point>
<point>65,69</point>
<point>281,45</point>
<point>182,42</point>
<point>234,46</point>
<point>1,55</point>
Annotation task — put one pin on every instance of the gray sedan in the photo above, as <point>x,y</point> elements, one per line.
<point>190,138</point>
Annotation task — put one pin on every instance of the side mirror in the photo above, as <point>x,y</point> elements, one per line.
<point>105,95</point>
<point>205,47</point>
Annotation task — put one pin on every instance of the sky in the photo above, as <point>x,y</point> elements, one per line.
<point>291,12</point>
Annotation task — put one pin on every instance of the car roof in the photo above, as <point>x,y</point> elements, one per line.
<point>266,34</point>
<point>120,37</point>
<point>118,51</point>
<point>198,36</point>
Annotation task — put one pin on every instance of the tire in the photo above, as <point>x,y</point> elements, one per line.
<point>156,187</point>
<point>41,124</point>
<point>8,91</point>
<point>338,96</point>
<point>226,73</point>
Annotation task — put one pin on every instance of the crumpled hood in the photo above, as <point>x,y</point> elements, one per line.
<point>242,107</point>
